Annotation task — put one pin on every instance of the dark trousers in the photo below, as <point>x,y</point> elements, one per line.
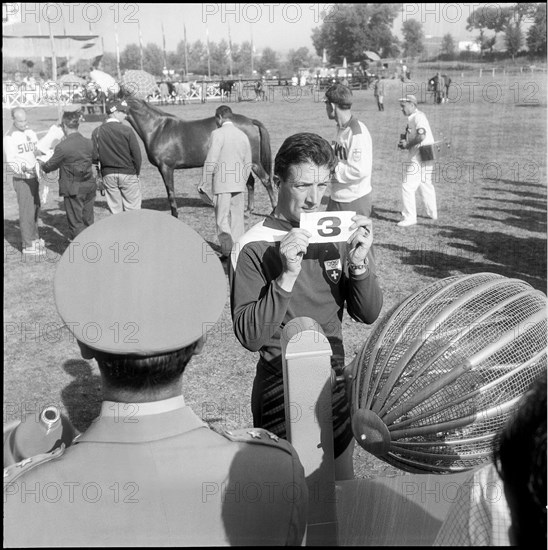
<point>28,199</point>
<point>79,209</point>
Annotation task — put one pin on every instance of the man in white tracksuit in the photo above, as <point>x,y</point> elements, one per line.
<point>417,174</point>
<point>351,189</point>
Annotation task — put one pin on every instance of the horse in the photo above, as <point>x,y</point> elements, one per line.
<point>226,87</point>
<point>172,143</point>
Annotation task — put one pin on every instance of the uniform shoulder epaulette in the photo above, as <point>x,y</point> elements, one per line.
<point>11,473</point>
<point>258,436</point>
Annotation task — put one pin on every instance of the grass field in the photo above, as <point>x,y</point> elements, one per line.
<point>492,217</point>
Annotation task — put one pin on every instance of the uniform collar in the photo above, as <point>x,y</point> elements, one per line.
<point>112,119</point>
<point>114,408</point>
<point>141,422</point>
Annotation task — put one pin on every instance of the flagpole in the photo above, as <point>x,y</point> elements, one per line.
<point>117,51</point>
<point>252,51</point>
<point>53,56</point>
<point>164,42</point>
<point>230,51</point>
<point>186,59</point>
<point>208,60</point>
<point>140,43</point>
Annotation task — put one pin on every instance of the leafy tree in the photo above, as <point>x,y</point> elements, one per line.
<point>130,57</point>
<point>514,39</point>
<point>197,58</point>
<point>536,36</point>
<point>243,62</point>
<point>413,37</point>
<point>448,46</point>
<point>269,60</point>
<point>298,58</point>
<point>353,28</point>
<point>108,64</point>
<point>488,17</point>
<point>153,59</point>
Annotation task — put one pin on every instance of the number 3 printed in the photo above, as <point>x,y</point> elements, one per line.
<point>329,227</point>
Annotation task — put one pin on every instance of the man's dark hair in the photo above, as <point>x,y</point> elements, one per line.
<point>136,373</point>
<point>71,120</point>
<point>304,147</point>
<point>520,459</point>
<point>340,95</point>
<point>224,111</point>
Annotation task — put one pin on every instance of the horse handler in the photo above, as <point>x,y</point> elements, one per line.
<point>117,150</point>
<point>227,166</point>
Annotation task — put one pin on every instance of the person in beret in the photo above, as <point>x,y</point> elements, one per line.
<point>138,291</point>
<point>417,174</point>
<point>116,151</point>
<point>72,157</point>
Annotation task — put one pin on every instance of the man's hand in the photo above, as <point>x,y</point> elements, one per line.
<point>402,144</point>
<point>292,249</point>
<point>359,243</point>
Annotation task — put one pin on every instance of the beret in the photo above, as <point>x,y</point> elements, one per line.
<point>408,99</point>
<point>117,105</point>
<point>139,283</point>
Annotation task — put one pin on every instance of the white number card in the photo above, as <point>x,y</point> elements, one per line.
<point>328,227</point>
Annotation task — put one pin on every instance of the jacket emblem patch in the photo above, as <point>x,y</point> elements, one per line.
<point>333,269</point>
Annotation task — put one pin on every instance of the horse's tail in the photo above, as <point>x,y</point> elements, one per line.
<point>265,153</point>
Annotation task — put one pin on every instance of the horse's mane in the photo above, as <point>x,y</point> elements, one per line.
<point>146,104</point>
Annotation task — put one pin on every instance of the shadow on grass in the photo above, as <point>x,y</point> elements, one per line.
<point>527,194</point>
<point>53,229</point>
<point>381,214</point>
<point>515,257</point>
<point>82,397</point>
<point>528,220</point>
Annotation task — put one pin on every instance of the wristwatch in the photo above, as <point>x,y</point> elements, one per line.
<point>355,267</point>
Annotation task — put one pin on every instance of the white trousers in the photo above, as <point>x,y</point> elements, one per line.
<point>229,217</point>
<point>418,176</point>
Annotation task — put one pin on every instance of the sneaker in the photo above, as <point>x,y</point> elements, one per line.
<point>32,251</point>
<point>406,223</point>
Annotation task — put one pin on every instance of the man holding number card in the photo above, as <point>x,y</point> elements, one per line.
<point>351,188</point>
<point>279,271</point>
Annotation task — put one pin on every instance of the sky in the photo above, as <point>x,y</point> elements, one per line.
<point>279,26</point>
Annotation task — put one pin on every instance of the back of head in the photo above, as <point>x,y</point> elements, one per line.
<point>521,461</point>
<point>340,95</point>
<point>301,148</point>
<point>136,289</point>
<point>71,120</point>
<point>224,111</point>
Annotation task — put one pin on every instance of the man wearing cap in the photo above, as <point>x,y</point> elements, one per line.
<point>73,158</point>
<point>417,173</point>
<point>19,148</point>
<point>117,150</point>
<point>351,189</point>
<point>148,471</point>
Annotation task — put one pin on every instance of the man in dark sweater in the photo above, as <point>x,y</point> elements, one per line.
<point>277,275</point>
<point>117,150</point>
<point>72,157</point>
